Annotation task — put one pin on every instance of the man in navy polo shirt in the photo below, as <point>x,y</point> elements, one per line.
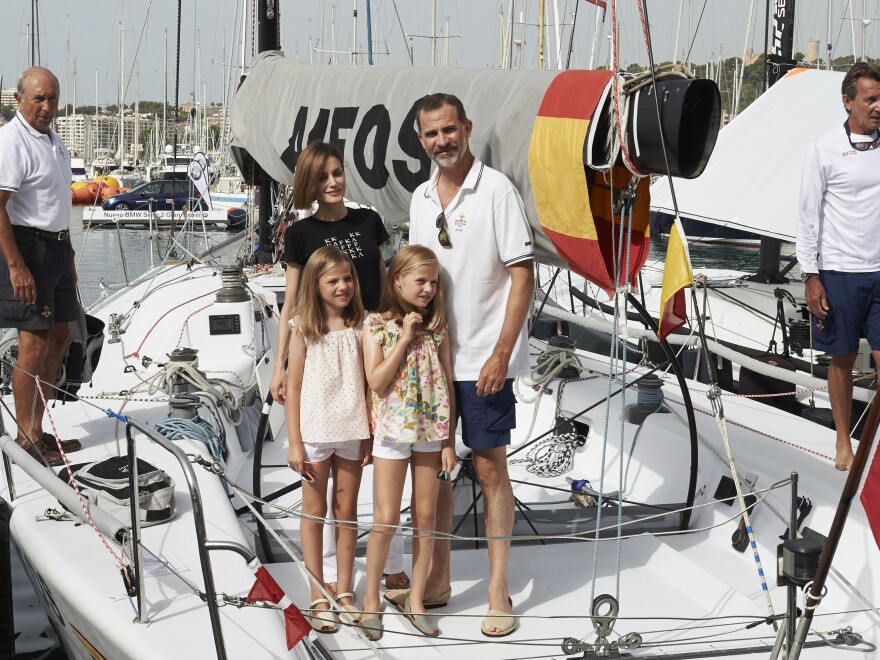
<point>37,272</point>
<point>837,242</point>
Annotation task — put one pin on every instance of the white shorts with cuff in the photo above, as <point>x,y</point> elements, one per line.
<point>403,450</point>
<point>318,452</point>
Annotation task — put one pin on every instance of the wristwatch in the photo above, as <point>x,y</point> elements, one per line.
<point>806,276</point>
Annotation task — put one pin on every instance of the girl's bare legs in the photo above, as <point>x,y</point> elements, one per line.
<point>315,505</point>
<point>423,506</point>
<point>389,475</point>
<point>347,481</point>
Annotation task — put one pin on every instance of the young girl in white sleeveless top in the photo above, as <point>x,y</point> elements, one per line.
<point>408,366</point>
<point>327,422</point>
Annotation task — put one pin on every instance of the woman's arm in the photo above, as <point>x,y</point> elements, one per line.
<point>383,273</point>
<point>447,455</point>
<point>379,368</point>
<point>295,365</point>
<point>291,285</point>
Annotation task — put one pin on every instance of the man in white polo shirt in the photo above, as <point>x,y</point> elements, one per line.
<point>37,272</point>
<point>473,218</point>
<point>838,242</point>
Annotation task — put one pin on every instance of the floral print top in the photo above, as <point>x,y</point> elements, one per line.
<point>415,407</point>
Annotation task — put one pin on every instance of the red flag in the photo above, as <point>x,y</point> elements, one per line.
<point>265,588</point>
<point>871,497</point>
<point>599,3</point>
<point>296,625</point>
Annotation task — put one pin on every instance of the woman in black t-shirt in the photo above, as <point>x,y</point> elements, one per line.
<point>359,233</point>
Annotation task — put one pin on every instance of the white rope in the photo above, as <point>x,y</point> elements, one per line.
<point>188,371</point>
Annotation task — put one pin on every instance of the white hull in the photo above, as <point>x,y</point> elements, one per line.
<point>682,592</point>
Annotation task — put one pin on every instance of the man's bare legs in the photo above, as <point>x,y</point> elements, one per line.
<point>39,354</point>
<point>491,465</point>
<point>840,387</point>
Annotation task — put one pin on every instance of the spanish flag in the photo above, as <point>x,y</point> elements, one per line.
<point>677,275</point>
<point>871,497</point>
<point>575,206</point>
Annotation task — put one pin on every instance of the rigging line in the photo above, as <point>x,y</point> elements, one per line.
<point>136,51</point>
<point>431,533</point>
<point>696,30</point>
<point>300,564</point>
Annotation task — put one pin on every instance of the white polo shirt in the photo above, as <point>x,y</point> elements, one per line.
<point>489,231</point>
<point>839,218</point>
<point>35,168</point>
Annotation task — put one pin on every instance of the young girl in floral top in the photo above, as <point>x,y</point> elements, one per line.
<point>407,364</point>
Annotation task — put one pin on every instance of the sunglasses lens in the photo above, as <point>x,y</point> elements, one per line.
<point>443,234</point>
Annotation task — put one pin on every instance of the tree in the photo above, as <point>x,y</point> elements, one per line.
<point>7,112</point>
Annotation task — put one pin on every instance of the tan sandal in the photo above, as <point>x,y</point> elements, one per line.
<point>372,627</point>
<point>396,580</point>
<point>323,621</point>
<point>397,597</point>
<point>503,622</point>
<point>353,612</point>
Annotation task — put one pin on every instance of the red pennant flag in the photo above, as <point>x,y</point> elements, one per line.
<point>599,3</point>
<point>296,625</point>
<point>871,497</point>
<point>265,588</point>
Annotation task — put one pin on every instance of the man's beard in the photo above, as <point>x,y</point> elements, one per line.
<point>450,159</point>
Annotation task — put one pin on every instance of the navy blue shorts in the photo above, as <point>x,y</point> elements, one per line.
<point>485,421</point>
<point>51,264</point>
<point>854,311</point>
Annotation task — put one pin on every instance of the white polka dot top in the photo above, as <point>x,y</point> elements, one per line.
<point>333,404</point>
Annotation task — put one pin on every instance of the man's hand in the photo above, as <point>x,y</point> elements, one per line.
<point>493,374</point>
<point>816,300</point>
<point>24,288</point>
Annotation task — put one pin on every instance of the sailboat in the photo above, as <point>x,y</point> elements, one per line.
<point>629,483</point>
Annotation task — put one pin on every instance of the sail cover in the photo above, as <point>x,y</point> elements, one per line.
<point>753,180</point>
<point>369,113</point>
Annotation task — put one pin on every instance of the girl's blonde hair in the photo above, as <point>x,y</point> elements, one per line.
<point>307,176</point>
<point>405,261</point>
<point>310,318</point>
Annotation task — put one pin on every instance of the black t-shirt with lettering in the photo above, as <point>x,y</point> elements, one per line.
<point>359,234</point>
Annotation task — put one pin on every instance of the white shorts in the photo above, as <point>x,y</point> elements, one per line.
<point>349,450</point>
<point>403,450</point>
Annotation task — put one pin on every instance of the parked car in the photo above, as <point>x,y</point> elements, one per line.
<point>164,194</point>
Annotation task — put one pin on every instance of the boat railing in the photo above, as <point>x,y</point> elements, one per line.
<point>203,544</point>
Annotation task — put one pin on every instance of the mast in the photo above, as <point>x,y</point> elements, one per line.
<point>434,33</point>
<point>369,36</point>
<point>595,37</point>
<point>121,94</point>
<point>67,67</point>
<point>678,31</point>
<point>511,12</point>
<point>165,98</point>
<point>557,33</point>
<point>97,138</point>
<point>541,35</point>
<point>742,71</point>
<point>828,39</point>
<point>778,63</point>
<point>354,33</point>
<point>267,39</point>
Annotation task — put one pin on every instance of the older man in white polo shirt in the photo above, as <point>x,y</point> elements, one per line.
<point>37,272</point>
<point>473,218</point>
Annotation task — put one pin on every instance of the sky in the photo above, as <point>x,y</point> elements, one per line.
<point>79,39</point>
